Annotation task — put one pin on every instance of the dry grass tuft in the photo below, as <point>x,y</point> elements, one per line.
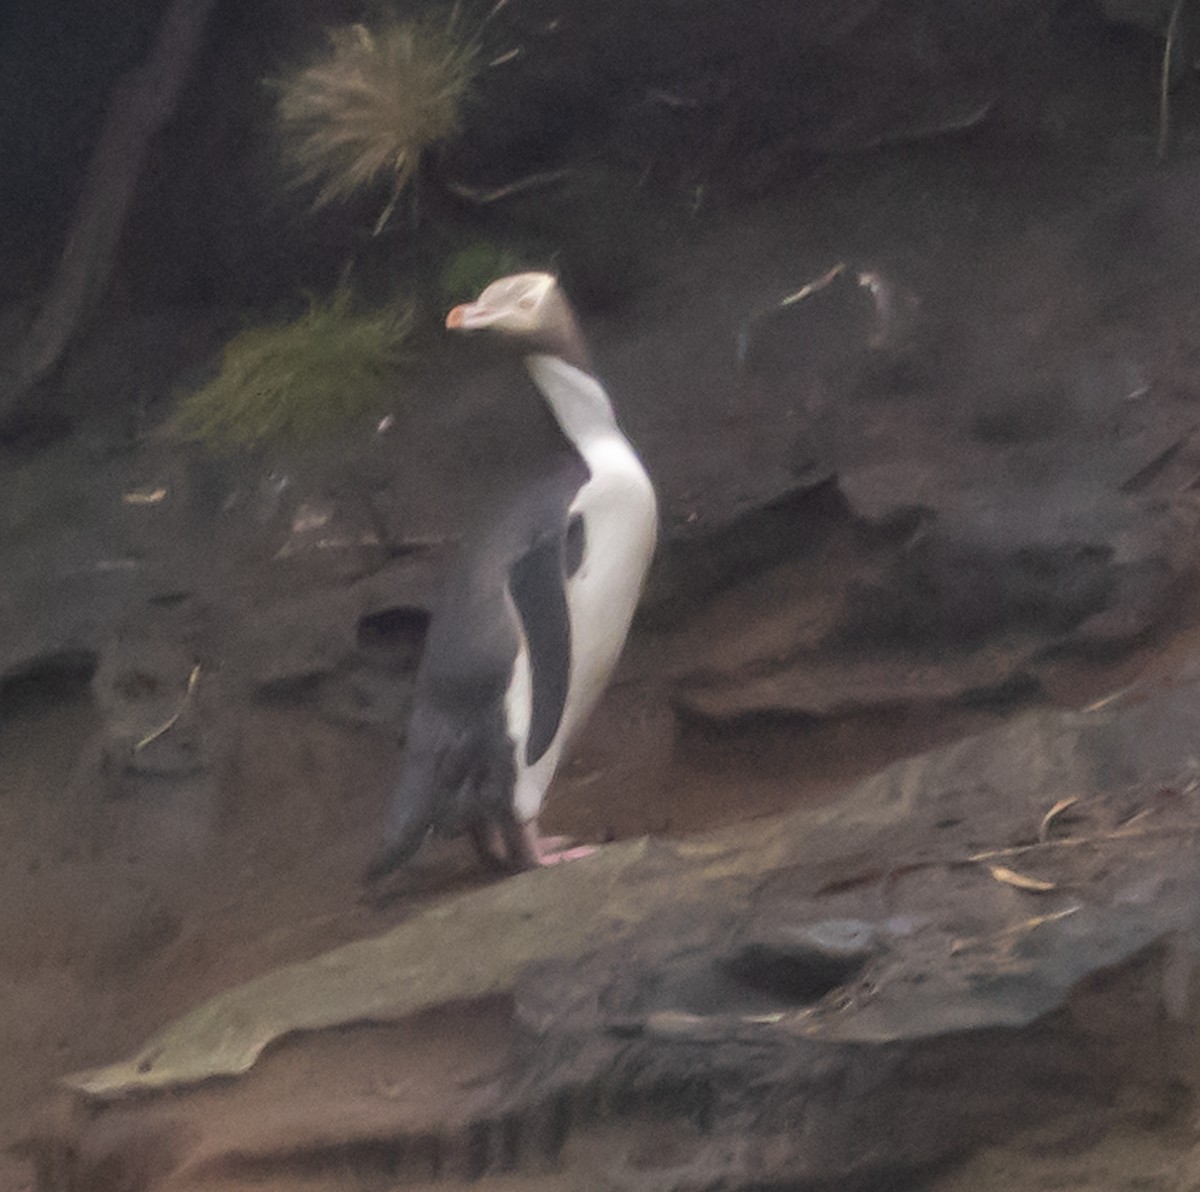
<point>301,381</point>
<point>373,105</point>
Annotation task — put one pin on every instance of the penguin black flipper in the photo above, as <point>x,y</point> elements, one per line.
<point>457,771</point>
<point>537,584</point>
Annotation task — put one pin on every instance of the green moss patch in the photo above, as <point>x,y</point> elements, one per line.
<point>300,381</point>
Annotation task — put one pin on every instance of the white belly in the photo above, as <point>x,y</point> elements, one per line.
<point>620,525</point>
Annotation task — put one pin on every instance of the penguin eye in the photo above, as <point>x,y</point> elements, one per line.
<point>527,303</point>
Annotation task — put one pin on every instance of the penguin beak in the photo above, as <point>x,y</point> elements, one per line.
<point>467,315</point>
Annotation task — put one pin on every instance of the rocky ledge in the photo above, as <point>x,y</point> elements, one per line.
<point>852,994</point>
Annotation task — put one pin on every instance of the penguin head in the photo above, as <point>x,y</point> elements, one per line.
<point>524,305</point>
<point>528,309</point>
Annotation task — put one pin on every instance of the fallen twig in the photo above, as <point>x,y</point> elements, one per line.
<point>1049,817</point>
<point>1076,841</point>
<point>1110,698</point>
<point>1164,90</point>
<point>1008,934</point>
<point>482,196</point>
<point>173,719</point>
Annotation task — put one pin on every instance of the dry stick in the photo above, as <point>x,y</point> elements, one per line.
<point>1110,698</point>
<point>1013,931</point>
<point>1074,841</point>
<point>474,194</point>
<point>172,720</point>
<point>1036,885</point>
<point>1038,921</point>
<point>814,286</point>
<point>1164,98</point>
<point>1047,819</point>
<point>387,211</point>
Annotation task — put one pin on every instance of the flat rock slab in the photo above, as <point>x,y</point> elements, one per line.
<point>973,898</point>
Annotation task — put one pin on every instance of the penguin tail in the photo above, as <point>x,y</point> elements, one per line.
<point>410,818</point>
<point>390,858</point>
<point>431,768</point>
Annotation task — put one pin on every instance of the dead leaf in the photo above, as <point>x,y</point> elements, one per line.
<point>145,496</point>
<point>1020,881</point>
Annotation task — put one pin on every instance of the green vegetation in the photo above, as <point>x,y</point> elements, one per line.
<point>362,114</point>
<point>299,381</point>
<point>469,269</point>
<point>373,105</point>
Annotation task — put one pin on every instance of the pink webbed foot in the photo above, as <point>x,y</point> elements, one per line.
<point>513,846</point>
<point>554,850</point>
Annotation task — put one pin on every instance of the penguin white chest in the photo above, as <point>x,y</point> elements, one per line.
<point>620,522</point>
<point>620,525</point>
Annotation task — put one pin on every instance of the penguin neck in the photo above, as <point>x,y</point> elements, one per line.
<point>576,399</point>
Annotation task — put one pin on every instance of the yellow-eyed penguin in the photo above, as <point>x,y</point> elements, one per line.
<point>535,613</point>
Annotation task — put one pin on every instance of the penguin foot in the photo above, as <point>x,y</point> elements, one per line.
<point>554,850</point>
<point>513,847</point>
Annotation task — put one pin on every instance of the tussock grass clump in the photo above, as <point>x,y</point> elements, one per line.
<point>373,105</point>
<point>301,381</point>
